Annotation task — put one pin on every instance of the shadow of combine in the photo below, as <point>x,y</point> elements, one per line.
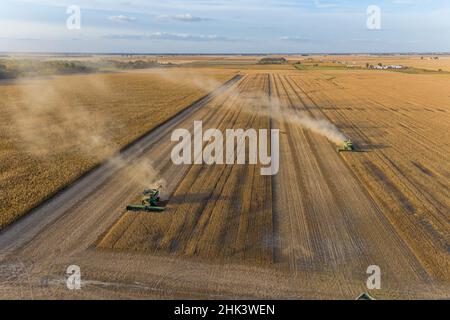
<point>372,147</point>
<point>194,198</point>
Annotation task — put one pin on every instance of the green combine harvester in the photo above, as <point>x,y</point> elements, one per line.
<point>347,146</point>
<point>150,202</point>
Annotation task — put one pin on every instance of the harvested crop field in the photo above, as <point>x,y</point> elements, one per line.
<point>310,231</point>
<point>324,212</point>
<point>402,122</point>
<point>56,129</point>
<point>215,211</point>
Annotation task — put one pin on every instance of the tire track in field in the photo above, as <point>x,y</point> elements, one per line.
<point>290,202</point>
<point>322,201</point>
<point>204,190</point>
<point>125,237</point>
<point>218,214</point>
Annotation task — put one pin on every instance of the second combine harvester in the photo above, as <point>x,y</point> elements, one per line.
<point>347,146</point>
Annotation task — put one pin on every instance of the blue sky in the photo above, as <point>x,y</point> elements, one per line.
<point>225,26</point>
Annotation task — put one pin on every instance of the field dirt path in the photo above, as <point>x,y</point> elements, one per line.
<point>309,232</point>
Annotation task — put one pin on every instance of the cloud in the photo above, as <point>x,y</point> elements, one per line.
<point>319,4</point>
<point>294,39</point>
<point>122,18</point>
<point>168,36</point>
<point>186,17</point>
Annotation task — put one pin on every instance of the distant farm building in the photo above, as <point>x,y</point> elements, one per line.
<point>381,67</point>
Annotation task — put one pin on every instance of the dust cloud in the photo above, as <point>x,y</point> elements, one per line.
<point>49,121</point>
<point>275,109</point>
<point>261,103</point>
<point>196,80</point>
<point>142,173</point>
<point>272,107</point>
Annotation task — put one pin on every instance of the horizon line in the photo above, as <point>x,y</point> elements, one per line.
<point>223,54</point>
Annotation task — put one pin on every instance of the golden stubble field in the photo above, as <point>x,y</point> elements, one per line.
<point>53,130</point>
<point>402,123</point>
<point>310,231</point>
<point>219,211</point>
<point>324,212</point>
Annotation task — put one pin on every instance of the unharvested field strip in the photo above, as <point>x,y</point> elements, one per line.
<point>316,112</point>
<point>425,151</point>
<point>404,168</point>
<point>394,110</point>
<point>391,185</point>
<point>367,140</point>
<point>410,124</point>
<point>418,147</point>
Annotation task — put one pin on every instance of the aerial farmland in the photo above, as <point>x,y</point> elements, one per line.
<point>224,156</point>
<point>226,231</point>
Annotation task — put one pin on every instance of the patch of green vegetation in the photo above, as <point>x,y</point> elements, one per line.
<point>11,69</point>
<point>318,66</point>
<point>138,64</point>
<point>269,60</point>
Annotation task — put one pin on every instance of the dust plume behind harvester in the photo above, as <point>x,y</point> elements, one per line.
<point>151,201</point>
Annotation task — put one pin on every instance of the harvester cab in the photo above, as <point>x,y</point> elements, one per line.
<point>151,197</point>
<point>151,201</point>
<point>347,146</point>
